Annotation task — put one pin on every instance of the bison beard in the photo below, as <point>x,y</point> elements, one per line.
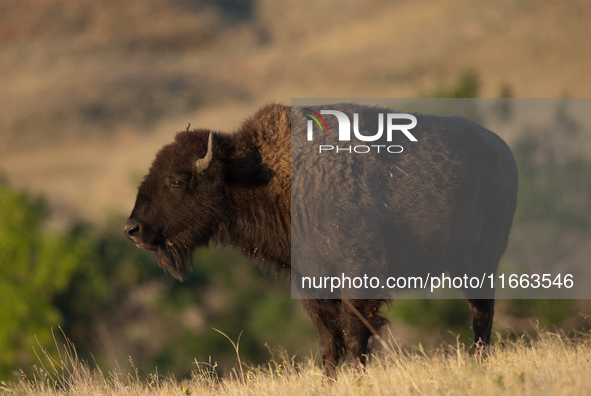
<point>174,260</point>
<point>455,211</point>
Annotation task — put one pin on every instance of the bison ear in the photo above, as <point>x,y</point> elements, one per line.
<point>202,163</point>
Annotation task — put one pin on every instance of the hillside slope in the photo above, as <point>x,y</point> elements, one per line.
<point>89,92</point>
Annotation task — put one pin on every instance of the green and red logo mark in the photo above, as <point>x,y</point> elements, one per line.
<point>316,116</point>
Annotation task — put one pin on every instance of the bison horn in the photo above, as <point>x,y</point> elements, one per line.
<point>202,163</point>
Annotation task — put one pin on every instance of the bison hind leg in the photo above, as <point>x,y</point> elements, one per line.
<point>482,321</point>
<point>481,302</point>
<point>484,257</point>
<point>361,319</point>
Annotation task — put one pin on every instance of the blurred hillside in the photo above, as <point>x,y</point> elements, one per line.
<point>90,90</point>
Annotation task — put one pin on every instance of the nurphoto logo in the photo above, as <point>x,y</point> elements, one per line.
<point>345,131</point>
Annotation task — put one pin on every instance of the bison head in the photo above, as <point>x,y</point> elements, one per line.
<point>179,202</point>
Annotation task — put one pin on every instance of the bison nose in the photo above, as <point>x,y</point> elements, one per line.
<point>132,230</point>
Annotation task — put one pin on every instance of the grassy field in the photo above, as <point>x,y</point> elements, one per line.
<point>542,363</point>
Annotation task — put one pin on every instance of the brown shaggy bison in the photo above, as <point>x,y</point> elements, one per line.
<point>446,204</point>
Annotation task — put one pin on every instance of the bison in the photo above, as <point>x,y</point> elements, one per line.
<point>447,201</point>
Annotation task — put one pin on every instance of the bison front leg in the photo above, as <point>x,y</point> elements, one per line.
<point>361,319</point>
<point>325,315</point>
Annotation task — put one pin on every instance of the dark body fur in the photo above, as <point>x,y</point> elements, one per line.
<point>450,199</point>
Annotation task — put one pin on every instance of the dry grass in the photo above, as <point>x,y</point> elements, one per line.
<point>548,363</point>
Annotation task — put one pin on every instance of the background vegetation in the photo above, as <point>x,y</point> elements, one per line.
<point>112,302</point>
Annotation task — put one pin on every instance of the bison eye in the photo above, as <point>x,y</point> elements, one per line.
<point>177,183</point>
